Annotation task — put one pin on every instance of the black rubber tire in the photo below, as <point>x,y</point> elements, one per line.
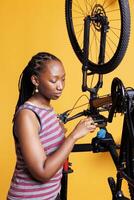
<point>121,32</point>
<point>127,150</point>
<point>130,154</point>
<point>129,167</point>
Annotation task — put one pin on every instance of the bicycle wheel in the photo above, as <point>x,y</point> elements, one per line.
<point>129,167</point>
<point>130,152</point>
<point>118,15</point>
<point>126,158</point>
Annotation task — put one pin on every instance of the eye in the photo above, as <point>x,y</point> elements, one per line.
<point>53,81</point>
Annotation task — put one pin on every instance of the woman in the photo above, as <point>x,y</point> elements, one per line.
<point>41,147</point>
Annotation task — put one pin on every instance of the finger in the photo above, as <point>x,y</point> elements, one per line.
<point>89,119</point>
<point>89,123</point>
<point>89,126</point>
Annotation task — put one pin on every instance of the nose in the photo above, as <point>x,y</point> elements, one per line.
<point>60,85</point>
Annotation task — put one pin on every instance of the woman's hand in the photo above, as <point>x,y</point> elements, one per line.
<point>83,127</point>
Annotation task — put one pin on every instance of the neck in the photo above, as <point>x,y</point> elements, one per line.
<point>39,101</point>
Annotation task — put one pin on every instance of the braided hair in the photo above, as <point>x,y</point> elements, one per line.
<point>34,67</point>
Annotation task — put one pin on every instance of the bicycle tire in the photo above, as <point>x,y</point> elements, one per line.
<point>126,157</point>
<point>73,8</point>
<point>129,166</point>
<point>130,157</point>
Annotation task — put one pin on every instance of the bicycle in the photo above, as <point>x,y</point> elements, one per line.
<point>105,29</point>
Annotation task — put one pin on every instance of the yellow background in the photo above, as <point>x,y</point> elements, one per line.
<point>30,26</point>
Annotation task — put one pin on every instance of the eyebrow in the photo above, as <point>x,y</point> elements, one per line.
<point>58,76</point>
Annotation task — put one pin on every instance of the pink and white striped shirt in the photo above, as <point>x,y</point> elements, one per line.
<point>23,185</point>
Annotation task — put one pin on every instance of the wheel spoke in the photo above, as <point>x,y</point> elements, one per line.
<point>115,10</point>
<point>79,6</point>
<point>115,34</point>
<point>111,41</point>
<point>110,4</point>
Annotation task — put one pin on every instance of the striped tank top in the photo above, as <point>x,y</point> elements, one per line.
<point>23,185</point>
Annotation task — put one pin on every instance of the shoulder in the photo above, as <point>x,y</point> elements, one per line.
<point>25,118</point>
<point>24,114</point>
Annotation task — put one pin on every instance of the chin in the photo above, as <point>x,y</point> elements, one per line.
<point>55,97</point>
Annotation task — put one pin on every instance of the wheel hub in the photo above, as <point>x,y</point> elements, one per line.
<point>98,16</point>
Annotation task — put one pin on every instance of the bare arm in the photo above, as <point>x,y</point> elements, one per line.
<point>41,166</point>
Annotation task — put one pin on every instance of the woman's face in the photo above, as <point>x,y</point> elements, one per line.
<point>51,80</point>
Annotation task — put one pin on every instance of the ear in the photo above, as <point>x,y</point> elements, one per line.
<point>35,80</point>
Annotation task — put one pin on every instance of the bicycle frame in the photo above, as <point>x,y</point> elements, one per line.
<point>110,103</point>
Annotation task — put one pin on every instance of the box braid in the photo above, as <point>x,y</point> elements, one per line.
<point>34,67</point>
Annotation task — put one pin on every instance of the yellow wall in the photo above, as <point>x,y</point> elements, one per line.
<point>30,26</point>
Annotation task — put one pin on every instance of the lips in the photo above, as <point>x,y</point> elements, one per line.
<point>58,94</point>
